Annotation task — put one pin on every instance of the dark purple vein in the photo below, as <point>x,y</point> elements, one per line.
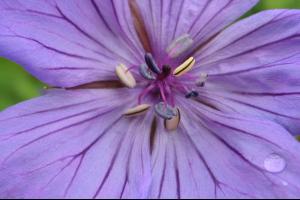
<point>52,109</point>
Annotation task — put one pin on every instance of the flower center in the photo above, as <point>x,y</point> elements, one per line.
<point>165,80</point>
<point>161,82</point>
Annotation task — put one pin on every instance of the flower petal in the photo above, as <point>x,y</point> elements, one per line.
<point>74,144</point>
<point>215,155</point>
<point>279,107</point>
<point>254,66</point>
<point>169,19</point>
<point>68,43</point>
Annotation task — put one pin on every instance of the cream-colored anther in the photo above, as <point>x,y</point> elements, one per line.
<point>180,45</point>
<point>125,76</point>
<point>172,124</point>
<point>185,67</point>
<point>137,110</point>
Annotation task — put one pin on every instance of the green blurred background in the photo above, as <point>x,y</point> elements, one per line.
<point>17,85</point>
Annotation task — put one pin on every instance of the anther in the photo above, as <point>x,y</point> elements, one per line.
<point>151,63</point>
<point>165,111</point>
<point>172,124</point>
<point>146,73</point>
<point>179,45</point>
<point>185,67</point>
<point>137,110</point>
<point>125,76</point>
<point>201,80</point>
<point>192,94</point>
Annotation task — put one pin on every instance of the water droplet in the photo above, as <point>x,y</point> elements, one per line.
<point>274,163</point>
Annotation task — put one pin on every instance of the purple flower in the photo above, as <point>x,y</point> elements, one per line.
<point>209,110</point>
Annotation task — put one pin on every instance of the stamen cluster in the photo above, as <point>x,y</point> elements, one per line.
<point>164,79</point>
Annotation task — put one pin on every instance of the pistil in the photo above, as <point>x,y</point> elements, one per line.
<point>166,71</point>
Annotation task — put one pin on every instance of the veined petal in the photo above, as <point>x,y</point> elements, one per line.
<point>169,19</point>
<point>215,155</point>
<point>254,66</point>
<point>280,107</point>
<point>70,42</point>
<point>73,144</point>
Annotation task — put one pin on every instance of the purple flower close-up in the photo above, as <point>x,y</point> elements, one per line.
<point>152,99</point>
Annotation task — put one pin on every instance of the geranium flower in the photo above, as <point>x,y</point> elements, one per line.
<point>152,99</point>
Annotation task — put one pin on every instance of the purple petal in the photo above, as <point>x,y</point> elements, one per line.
<point>169,19</point>
<point>282,107</point>
<point>74,144</point>
<point>68,43</point>
<point>256,63</point>
<point>215,155</point>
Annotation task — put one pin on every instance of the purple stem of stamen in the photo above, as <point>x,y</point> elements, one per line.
<point>129,69</point>
<point>162,93</point>
<point>169,92</point>
<point>133,72</point>
<point>145,92</point>
<point>166,88</point>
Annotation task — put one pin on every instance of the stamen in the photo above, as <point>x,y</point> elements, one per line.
<point>145,92</point>
<point>146,73</point>
<point>137,110</point>
<point>151,63</point>
<point>125,76</point>
<point>169,92</point>
<point>162,92</point>
<point>185,67</point>
<point>165,111</point>
<point>179,45</point>
<point>202,79</point>
<point>172,124</point>
<point>192,94</point>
